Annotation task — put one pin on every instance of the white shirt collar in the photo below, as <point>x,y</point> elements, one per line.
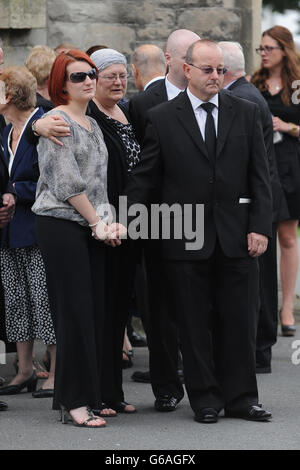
<point>229,84</point>
<point>153,80</point>
<point>172,90</point>
<point>196,102</point>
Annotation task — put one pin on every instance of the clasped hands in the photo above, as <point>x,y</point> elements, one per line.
<point>110,234</point>
<point>7,210</point>
<point>257,244</point>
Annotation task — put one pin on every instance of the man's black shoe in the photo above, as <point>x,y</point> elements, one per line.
<point>137,340</point>
<point>206,415</point>
<point>142,377</point>
<point>166,403</point>
<point>3,406</point>
<point>263,369</point>
<point>253,413</point>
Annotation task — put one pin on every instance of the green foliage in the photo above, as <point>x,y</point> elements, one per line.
<point>282,5</point>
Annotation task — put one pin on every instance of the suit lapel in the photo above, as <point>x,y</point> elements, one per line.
<point>21,150</point>
<point>186,116</point>
<point>226,115</point>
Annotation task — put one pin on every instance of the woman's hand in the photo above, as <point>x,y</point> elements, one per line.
<point>8,209</point>
<point>279,125</point>
<point>51,127</point>
<point>116,231</point>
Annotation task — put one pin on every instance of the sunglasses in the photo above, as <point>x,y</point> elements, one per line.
<point>209,70</point>
<point>78,77</point>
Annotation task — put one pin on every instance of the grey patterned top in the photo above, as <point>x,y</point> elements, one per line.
<point>79,166</point>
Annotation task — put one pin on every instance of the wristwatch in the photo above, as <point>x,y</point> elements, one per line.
<point>33,128</point>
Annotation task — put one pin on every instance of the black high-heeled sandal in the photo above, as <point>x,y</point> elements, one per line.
<point>66,417</point>
<point>104,406</point>
<point>287,330</point>
<point>120,407</point>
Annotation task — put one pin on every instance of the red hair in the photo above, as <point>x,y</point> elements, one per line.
<point>58,75</point>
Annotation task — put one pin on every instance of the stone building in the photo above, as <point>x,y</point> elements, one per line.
<point>124,24</point>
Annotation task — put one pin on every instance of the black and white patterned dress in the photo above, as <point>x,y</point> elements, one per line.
<point>27,311</point>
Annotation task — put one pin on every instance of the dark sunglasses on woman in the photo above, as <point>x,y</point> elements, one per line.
<point>78,77</point>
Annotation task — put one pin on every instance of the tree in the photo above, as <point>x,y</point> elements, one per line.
<point>282,5</point>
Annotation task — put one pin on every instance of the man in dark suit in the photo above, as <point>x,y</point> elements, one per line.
<point>206,148</point>
<point>163,349</point>
<point>236,82</point>
<point>148,66</point>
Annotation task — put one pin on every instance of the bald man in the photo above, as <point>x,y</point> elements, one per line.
<point>174,83</point>
<point>148,66</point>
<point>162,334</point>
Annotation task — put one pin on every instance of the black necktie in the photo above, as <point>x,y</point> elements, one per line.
<point>210,131</point>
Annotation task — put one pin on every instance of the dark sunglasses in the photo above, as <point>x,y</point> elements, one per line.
<point>209,70</point>
<point>78,77</point>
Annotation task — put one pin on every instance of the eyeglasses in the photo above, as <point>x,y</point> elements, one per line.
<point>267,49</point>
<point>78,77</point>
<point>209,70</point>
<point>114,77</point>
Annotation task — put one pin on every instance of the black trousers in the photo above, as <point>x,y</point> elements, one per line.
<point>119,280</point>
<point>268,311</point>
<point>161,329</point>
<point>216,303</point>
<point>74,264</point>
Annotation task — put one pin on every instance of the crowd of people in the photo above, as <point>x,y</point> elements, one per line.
<point>198,132</point>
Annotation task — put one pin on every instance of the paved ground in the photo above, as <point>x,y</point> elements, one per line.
<point>30,424</point>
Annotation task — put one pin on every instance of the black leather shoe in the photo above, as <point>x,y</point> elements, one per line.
<point>137,340</point>
<point>288,330</point>
<point>206,415</point>
<point>43,393</point>
<point>253,413</point>
<point>3,406</point>
<point>30,384</point>
<point>166,403</point>
<point>142,377</point>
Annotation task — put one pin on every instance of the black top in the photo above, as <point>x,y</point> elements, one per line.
<point>246,90</point>
<point>287,152</point>
<point>117,169</point>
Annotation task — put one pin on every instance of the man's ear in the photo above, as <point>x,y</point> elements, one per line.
<point>168,58</point>
<point>135,70</point>
<point>186,70</point>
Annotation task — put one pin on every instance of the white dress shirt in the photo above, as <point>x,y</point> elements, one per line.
<point>201,114</point>
<point>172,90</point>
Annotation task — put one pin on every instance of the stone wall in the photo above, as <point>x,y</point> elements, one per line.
<point>124,24</point>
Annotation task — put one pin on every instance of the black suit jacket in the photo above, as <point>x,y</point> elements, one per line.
<point>141,103</point>
<point>175,162</point>
<point>246,90</point>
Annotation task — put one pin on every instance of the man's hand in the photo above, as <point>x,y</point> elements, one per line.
<point>8,209</point>
<point>257,244</point>
<point>51,127</point>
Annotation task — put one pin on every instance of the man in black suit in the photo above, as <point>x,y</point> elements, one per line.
<point>206,148</point>
<point>148,66</point>
<point>236,82</point>
<point>163,349</point>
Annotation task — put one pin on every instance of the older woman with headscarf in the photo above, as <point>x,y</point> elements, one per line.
<point>123,151</point>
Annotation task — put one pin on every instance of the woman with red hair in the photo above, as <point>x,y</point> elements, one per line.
<point>71,196</point>
<point>280,69</point>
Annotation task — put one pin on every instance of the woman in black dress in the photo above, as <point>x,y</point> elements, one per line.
<point>279,70</point>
